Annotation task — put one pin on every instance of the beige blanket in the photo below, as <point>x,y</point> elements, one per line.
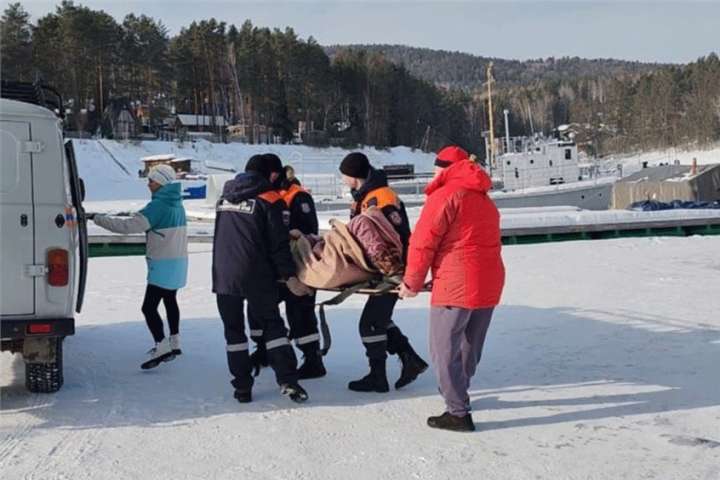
<point>337,260</point>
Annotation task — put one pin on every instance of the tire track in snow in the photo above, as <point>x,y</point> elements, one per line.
<point>76,445</point>
<point>17,436</point>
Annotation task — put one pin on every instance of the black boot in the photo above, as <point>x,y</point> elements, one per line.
<point>453,423</point>
<point>412,366</point>
<point>375,381</point>
<point>243,396</point>
<point>293,390</point>
<point>258,359</point>
<point>312,367</point>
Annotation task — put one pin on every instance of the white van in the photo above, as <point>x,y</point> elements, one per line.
<point>43,235</point>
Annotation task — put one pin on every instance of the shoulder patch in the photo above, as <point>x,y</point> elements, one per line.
<point>305,207</point>
<point>286,217</point>
<point>373,202</point>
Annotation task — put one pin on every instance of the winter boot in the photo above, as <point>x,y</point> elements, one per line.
<point>258,359</point>
<point>312,367</point>
<point>453,423</point>
<point>375,381</point>
<point>243,396</point>
<point>293,390</point>
<point>412,366</point>
<point>158,354</point>
<point>175,344</point>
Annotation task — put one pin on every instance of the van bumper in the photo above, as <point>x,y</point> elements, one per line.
<point>58,327</point>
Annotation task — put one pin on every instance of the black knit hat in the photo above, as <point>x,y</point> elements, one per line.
<point>259,164</point>
<point>264,164</point>
<point>274,162</point>
<point>355,165</point>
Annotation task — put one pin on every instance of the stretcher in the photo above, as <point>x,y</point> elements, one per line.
<point>372,287</point>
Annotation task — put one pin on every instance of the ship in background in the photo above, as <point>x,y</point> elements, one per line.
<point>534,171</point>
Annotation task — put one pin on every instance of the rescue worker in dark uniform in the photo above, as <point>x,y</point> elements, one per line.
<point>369,188</point>
<point>300,311</point>
<point>251,253</point>
<point>299,214</point>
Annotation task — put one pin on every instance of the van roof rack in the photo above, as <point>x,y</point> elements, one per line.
<point>36,93</point>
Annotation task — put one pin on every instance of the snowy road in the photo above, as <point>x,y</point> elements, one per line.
<point>602,363</point>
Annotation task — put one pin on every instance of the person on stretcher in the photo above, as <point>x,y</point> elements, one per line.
<point>364,248</point>
<point>373,243</point>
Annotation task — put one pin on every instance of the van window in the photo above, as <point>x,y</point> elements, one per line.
<point>568,154</point>
<point>10,165</point>
<point>66,176</point>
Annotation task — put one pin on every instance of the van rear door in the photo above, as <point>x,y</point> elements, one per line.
<point>17,246</point>
<point>77,192</point>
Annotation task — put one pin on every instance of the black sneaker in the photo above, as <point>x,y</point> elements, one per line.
<point>312,367</point>
<point>293,390</point>
<point>453,423</point>
<point>243,396</point>
<point>412,366</point>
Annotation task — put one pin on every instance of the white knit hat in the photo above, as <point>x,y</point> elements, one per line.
<point>162,174</point>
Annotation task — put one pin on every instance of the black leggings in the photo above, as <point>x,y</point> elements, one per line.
<point>153,295</point>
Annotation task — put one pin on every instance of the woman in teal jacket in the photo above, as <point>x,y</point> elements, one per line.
<point>163,221</point>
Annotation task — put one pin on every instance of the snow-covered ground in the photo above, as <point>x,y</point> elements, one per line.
<point>601,363</point>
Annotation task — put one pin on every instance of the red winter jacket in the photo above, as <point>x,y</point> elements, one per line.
<point>458,237</point>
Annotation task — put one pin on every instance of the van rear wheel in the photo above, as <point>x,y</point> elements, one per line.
<point>46,377</point>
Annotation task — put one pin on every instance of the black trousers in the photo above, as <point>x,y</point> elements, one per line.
<point>279,352</point>
<point>377,331</point>
<point>303,322</point>
<point>151,302</point>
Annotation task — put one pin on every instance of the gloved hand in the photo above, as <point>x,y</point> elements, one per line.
<point>258,359</point>
<point>298,288</point>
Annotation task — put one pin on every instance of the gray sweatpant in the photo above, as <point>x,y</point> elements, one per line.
<point>457,336</point>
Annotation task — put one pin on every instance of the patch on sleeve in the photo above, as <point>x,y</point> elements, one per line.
<point>286,217</point>
<point>395,218</point>
<point>373,202</point>
<point>246,206</point>
<point>305,207</point>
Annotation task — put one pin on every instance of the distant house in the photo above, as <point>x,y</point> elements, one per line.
<point>182,166</point>
<point>667,183</point>
<point>200,123</point>
<point>118,120</point>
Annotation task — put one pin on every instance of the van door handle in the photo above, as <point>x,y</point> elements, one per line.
<point>23,220</point>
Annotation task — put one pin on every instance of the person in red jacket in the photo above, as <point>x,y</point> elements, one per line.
<point>457,237</point>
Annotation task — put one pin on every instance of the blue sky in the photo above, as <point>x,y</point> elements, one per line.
<point>662,31</point>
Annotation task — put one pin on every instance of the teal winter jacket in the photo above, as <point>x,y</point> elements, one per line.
<point>163,221</point>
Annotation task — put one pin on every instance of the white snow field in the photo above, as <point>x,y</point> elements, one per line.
<point>113,165</point>
<point>601,363</point>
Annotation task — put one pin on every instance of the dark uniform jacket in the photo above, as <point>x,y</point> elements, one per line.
<point>251,248</point>
<point>301,214</point>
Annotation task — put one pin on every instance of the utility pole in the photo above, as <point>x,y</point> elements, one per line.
<point>506,112</point>
<point>490,81</point>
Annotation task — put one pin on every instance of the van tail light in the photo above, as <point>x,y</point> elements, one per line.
<point>36,328</point>
<point>58,269</point>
